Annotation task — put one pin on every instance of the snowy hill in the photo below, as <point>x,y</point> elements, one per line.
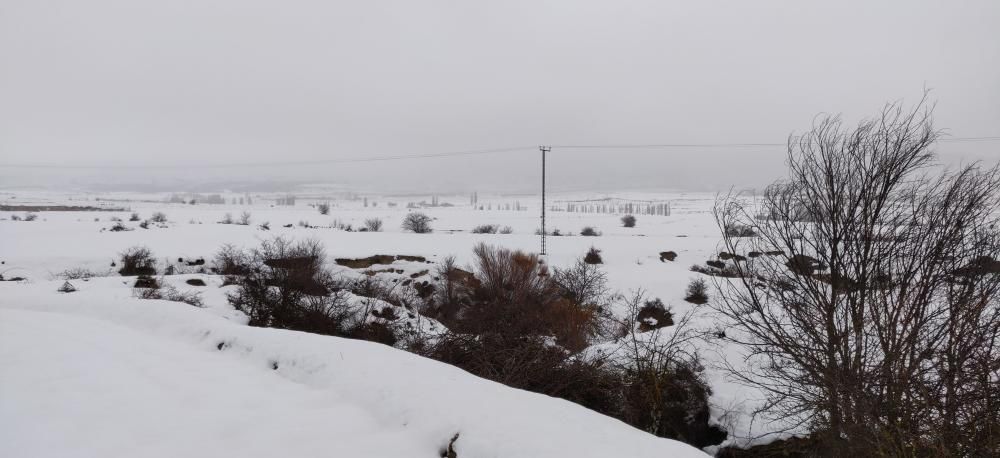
<point>96,373</point>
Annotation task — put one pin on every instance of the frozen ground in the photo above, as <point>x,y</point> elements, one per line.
<point>132,370</point>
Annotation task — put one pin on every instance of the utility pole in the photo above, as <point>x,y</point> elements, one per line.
<point>543,149</point>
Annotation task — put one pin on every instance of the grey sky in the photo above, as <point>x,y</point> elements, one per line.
<point>129,82</point>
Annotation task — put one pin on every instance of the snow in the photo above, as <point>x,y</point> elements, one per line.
<point>435,399</point>
<point>97,373</point>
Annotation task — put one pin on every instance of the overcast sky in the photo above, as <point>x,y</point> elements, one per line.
<point>208,82</point>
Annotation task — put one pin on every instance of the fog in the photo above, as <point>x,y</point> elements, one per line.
<point>195,94</point>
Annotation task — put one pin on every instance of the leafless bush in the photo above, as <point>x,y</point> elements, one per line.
<point>137,260</point>
<point>739,230</point>
<point>158,217</point>
<point>119,227</point>
<point>891,348</point>
<point>324,208</point>
<point>78,273</point>
<point>418,223</point>
<point>30,216</point>
<point>373,225</point>
<point>227,219</point>
<point>485,229</point>
<point>697,291</point>
<point>134,217</point>
<point>665,393</point>
<point>284,284</point>
<point>244,219</point>
<point>506,230</point>
<point>588,232</point>
<point>169,293</point>
<point>628,221</point>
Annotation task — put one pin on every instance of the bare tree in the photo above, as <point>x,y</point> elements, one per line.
<point>874,320</point>
<point>418,223</point>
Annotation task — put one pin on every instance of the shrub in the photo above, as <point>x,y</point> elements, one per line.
<point>230,260</point>
<point>654,315</point>
<point>485,229</point>
<point>739,230</point>
<point>284,284</point>
<point>79,273</point>
<point>134,217</point>
<point>30,216</point>
<point>714,270</point>
<point>512,293</point>
<point>168,293</point>
<point>158,217</point>
<point>418,223</point>
<point>593,256</point>
<point>373,225</point>
<point>588,231</point>
<point>324,208</point>
<point>119,227</point>
<point>628,221</point>
<point>697,291</point>
<point>227,219</point>
<point>265,226</point>
<point>144,224</point>
<point>506,230</point>
<point>244,219</point>
<point>146,282</point>
<point>137,260</point>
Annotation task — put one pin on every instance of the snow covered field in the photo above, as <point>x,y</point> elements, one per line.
<point>100,373</point>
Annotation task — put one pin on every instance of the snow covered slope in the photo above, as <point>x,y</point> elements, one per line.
<point>97,374</point>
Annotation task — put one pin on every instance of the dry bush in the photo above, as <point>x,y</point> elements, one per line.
<point>697,291</point>
<point>506,230</point>
<point>137,260</point>
<point>373,225</point>
<point>168,293</point>
<point>664,391</point>
<point>30,216</point>
<point>284,284</point>
<point>78,273</point>
<point>227,219</point>
<point>244,219</point>
<point>158,217</point>
<point>593,256</point>
<point>134,217</point>
<point>628,221</point>
<point>324,208</point>
<point>654,315</point>
<point>588,231</point>
<point>418,223</point>
<point>485,229</point>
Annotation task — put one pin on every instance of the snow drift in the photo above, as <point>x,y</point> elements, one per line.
<point>98,373</point>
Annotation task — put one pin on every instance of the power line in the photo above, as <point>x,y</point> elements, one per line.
<point>278,163</point>
<point>739,145</point>
<point>983,139</point>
